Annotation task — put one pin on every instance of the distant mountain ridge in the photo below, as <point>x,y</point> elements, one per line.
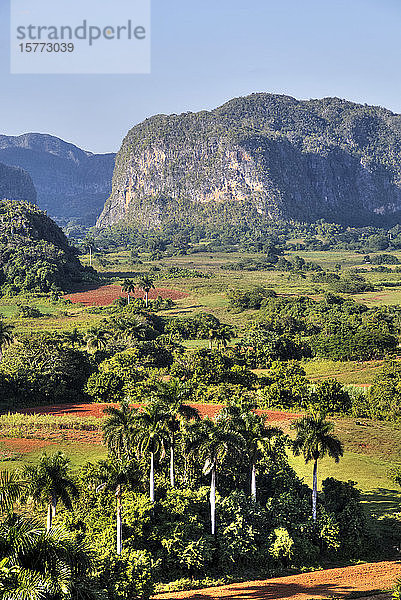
<point>263,156</point>
<point>71,183</point>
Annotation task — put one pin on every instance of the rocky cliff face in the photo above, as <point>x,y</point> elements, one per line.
<point>16,184</point>
<point>70,182</point>
<point>263,156</point>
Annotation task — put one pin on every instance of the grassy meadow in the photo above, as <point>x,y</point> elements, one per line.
<point>206,294</point>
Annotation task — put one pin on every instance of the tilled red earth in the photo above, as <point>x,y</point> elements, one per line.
<point>97,410</point>
<point>106,294</point>
<point>332,583</point>
<point>43,438</point>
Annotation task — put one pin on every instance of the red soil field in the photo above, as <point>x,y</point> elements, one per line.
<point>106,294</point>
<point>338,583</point>
<point>45,437</point>
<point>97,410</point>
<point>24,446</point>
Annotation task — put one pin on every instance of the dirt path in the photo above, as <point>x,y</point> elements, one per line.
<point>331,583</point>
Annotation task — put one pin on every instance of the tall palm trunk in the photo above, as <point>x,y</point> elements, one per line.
<point>146,298</point>
<point>152,477</point>
<point>54,504</point>
<point>314,491</point>
<point>213,499</point>
<point>128,298</point>
<point>253,481</point>
<point>49,517</point>
<point>51,512</point>
<point>119,521</point>
<point>172,474</point>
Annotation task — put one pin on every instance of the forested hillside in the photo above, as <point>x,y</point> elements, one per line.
<point>34,252</point>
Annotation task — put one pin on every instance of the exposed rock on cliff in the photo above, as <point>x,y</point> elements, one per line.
<point>263,156</point>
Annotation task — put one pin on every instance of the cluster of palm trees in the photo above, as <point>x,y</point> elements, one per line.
<point>160,427</point>
<point>120,329</point>
<point>153,430</point>
<point>222,335</point>
<point>45,484</point>
<point>38,562</point>
<point>145,283</point>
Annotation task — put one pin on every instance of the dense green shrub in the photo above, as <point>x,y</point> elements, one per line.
<point>329,396</point>
<point>284,386</point>
<point>384,396</point>
<point>251,299</point>
<point>39,370</point>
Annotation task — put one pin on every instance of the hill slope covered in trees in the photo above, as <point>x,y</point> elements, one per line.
<point>261,157</point>
<point>34,252</point>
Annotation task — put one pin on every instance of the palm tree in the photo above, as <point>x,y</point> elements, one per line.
<point>315,440</point>
<point>257,436</point>
<point>119,430</point>
<point>210,442</point>
<point>128,286</point>
<point>112,476</point>
<point>49,482</point>
<point>212,333</point>
<point>36,564</point>
<point>73,337</point>
<point>96,339</point>
<point>223,336</point>
<point>146,283</point>
<point>11,489</point>
<point>89,244</point>
<point>6,336</point>
<point>172,395</point>
<point>152,436</point>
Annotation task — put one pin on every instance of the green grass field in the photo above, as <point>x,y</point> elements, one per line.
<point>210,294</point>
<point>380,494</point>
<point>357,373</point>
<point>78,453</point>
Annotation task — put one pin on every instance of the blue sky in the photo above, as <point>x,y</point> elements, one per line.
<point>205,52</point>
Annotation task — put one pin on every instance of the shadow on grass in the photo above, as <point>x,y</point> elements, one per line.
<point>381,501</point>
